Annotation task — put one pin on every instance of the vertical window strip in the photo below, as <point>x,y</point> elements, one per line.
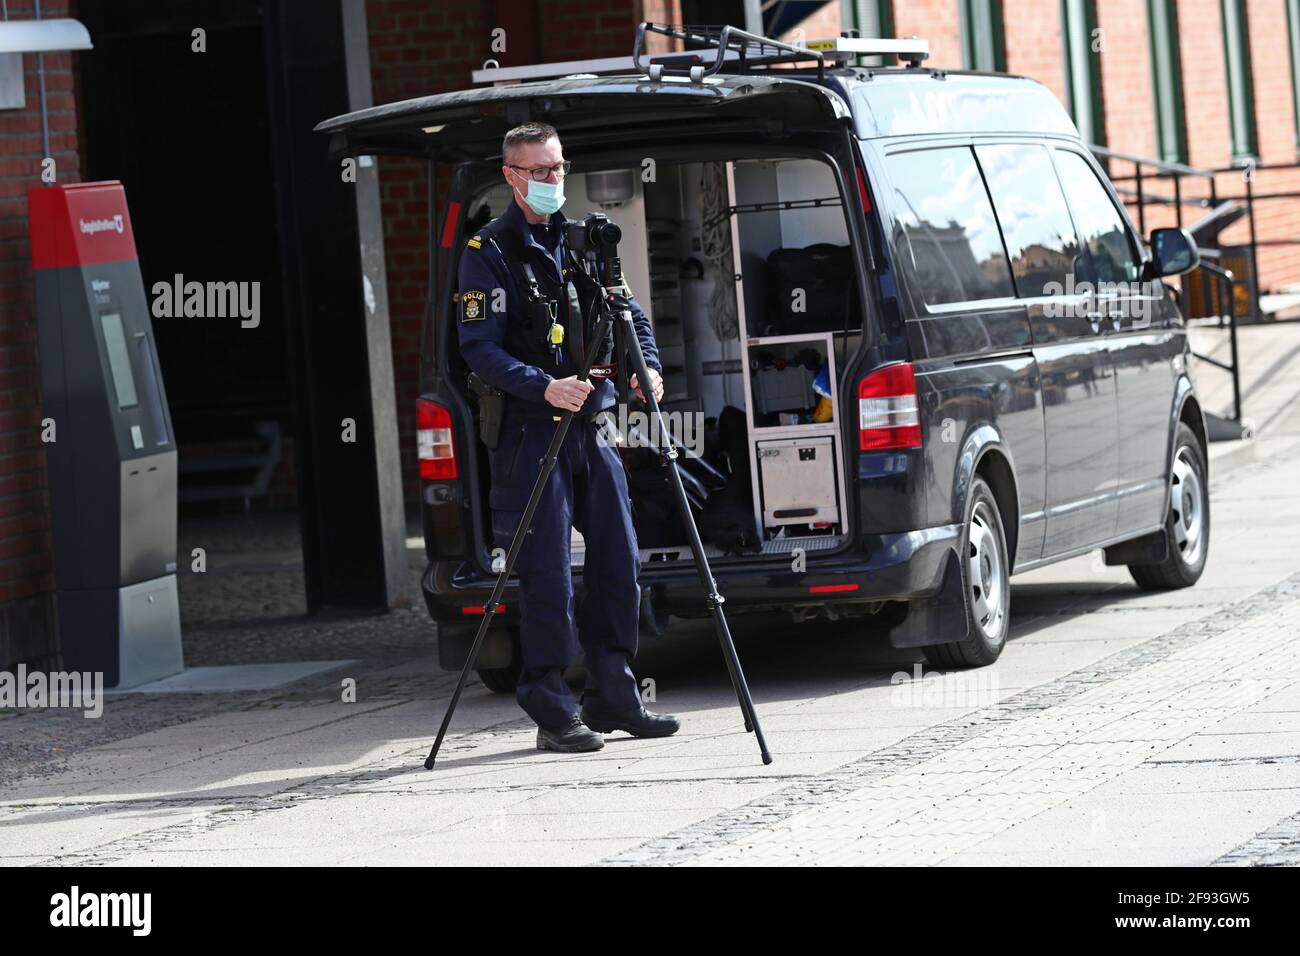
<point>983,44</point>
<point>1083,69</point>
<point>1241,96</point>
<point>871,18</point>
<point>1166,81</point>
<point>1293,47</point>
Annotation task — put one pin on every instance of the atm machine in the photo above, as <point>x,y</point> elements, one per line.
<point>112,463</point>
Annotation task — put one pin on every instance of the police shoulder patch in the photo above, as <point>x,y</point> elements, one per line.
<point>472,306</point>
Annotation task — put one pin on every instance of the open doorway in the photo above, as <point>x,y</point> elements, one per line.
<point>188,134</point>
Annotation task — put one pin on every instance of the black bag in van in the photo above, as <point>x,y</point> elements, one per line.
<point>728,518</point>
<point>654,504</point>
<point>819,279</point>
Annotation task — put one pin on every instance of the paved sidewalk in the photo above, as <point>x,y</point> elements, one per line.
<point>1118,727</point>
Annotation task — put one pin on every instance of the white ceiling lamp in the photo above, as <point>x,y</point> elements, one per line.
<point>43,36</point>
<point>40,37</point>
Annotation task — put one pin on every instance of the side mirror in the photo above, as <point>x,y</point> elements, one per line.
<point>1173,252</point>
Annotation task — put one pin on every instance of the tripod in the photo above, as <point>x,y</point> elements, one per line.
<point>614,308</point>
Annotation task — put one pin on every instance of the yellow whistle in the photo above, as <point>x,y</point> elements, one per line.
<point>557,334</point>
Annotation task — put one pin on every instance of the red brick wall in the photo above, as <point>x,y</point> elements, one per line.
<point>590,28</point>
<point>823,24</point>
<point>26,557</point>
<point>1125,60</point>
<point>419,47</point>
<point>937,21</point>
<point>662,11</point>
<point>1205,83</point>
<point>1034,43</point>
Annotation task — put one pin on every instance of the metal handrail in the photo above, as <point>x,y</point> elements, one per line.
<point>1219,285</point>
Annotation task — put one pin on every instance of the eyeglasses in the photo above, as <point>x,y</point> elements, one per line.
<point>540,173</point>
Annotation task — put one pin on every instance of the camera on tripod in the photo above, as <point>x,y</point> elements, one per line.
<point>596,233</point>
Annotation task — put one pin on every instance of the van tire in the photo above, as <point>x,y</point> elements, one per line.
<point>985,574</point>
<point>499,680</point>
<point>1188,517</point>
<point>503,680</point>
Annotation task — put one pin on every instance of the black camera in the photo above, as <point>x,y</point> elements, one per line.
<point>596,233</point>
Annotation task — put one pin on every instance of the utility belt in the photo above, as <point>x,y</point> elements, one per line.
<point>495,407</point>
<point>519,410</point>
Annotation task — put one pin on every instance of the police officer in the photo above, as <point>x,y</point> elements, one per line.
<point>523,303</point>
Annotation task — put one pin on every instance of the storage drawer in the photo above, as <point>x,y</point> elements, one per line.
<point>797,480</point>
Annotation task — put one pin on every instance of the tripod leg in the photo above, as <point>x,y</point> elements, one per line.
<point>714,599</point>
<point>735,682</point>
<point>621,336</point>
<point>516,545</point>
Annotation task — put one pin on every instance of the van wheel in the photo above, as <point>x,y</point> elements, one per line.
<point>503,680</point>
<point>986,581</point>
<point>1187,526</point>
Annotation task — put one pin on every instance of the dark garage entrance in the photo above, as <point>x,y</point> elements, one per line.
<point>226,183</point>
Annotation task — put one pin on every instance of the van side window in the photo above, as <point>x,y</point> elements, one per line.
<point>1100,224</point>
<point>1034,217</point>
<point>946,235</point>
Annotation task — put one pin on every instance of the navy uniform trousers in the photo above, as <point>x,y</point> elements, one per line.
<point>586,490</point>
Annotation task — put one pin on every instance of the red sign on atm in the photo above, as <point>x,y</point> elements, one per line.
<point>79,224</point>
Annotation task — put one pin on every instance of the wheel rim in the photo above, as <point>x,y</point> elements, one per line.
<point>987,573</point>
<point>1187,507</point>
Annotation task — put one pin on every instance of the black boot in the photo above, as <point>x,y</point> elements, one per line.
<point>573,737</point>
<point>636,721</point>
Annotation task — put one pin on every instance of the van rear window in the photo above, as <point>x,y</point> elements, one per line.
<point>949,247</point>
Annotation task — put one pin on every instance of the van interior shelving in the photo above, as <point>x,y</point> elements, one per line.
<point>744,270</point>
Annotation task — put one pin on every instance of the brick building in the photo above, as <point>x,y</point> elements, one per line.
<point>1209,83</point>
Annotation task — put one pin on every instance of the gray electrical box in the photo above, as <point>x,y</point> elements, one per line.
<point>112,463</point>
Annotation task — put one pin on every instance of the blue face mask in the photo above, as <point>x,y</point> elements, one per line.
<point>544,198</point>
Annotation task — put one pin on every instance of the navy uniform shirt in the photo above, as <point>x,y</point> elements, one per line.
<point>482,329</point>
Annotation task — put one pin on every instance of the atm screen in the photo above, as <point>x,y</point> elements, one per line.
<point>119,360</point>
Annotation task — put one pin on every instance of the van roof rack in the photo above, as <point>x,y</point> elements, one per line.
<point>736,49</point>
<point>749,50</point>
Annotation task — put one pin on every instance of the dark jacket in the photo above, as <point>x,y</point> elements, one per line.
<point>500,344</point>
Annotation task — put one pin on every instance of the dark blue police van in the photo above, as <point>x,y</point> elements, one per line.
<point>911,336</point>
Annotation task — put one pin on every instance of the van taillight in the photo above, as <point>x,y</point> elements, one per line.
<point>863,194</point>
<point>888,414</point>
<point>433,435</point>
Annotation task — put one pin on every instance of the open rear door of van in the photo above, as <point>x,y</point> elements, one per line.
<point>469,124</point>
<point>605,114</point>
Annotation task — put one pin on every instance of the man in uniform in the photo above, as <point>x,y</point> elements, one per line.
<point>522,300</point>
